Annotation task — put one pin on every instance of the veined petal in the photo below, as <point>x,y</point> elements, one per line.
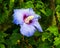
<point>27,30</point>
<point>37,25</point>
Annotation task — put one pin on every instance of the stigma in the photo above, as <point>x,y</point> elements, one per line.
<point>28,19</point>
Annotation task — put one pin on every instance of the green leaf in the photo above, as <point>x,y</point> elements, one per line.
<point>2,46</point>
<point>2,35</point>
<point>58,46</point>
<point>43,11</point>
<point>45,36</point>
<point>39,4</point>
<point>29,4</point>
<point>58,8</point>
<point>11,4</point>
<point>57,1</point>
<point>57,41</point>
<point>44,45</point>
<point>53,30</point>
<point>0,1</point>
<point>14,38</point>
<point>48,12</point>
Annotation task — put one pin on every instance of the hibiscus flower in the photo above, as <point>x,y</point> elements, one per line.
<point>28,21</point>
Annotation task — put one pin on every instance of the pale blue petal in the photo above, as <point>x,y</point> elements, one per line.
<point>37,16</point>
<point>28,11</point>
<point>18,17</point>
<point>27,30</point>
<point>31,12</point>
<point>19,13</point>
<point>37,26</point>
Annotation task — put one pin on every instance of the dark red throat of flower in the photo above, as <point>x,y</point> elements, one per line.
<point>24,17</point>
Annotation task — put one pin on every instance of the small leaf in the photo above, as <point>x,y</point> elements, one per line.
<point>57,1</point>
<point>48,12</point>
<point>58,8</point>
<point>45,36</point>
<point>29,4</point>
<point>1,1</point>
<point>53,29</point>
<point>58,46</point>
<point>44,45</point>
<point>43,11</point>
<point>13,40</point>
<point>2,46</point>
<point>57,41</point>
<point>2,35</point>
<point>39,4</point>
